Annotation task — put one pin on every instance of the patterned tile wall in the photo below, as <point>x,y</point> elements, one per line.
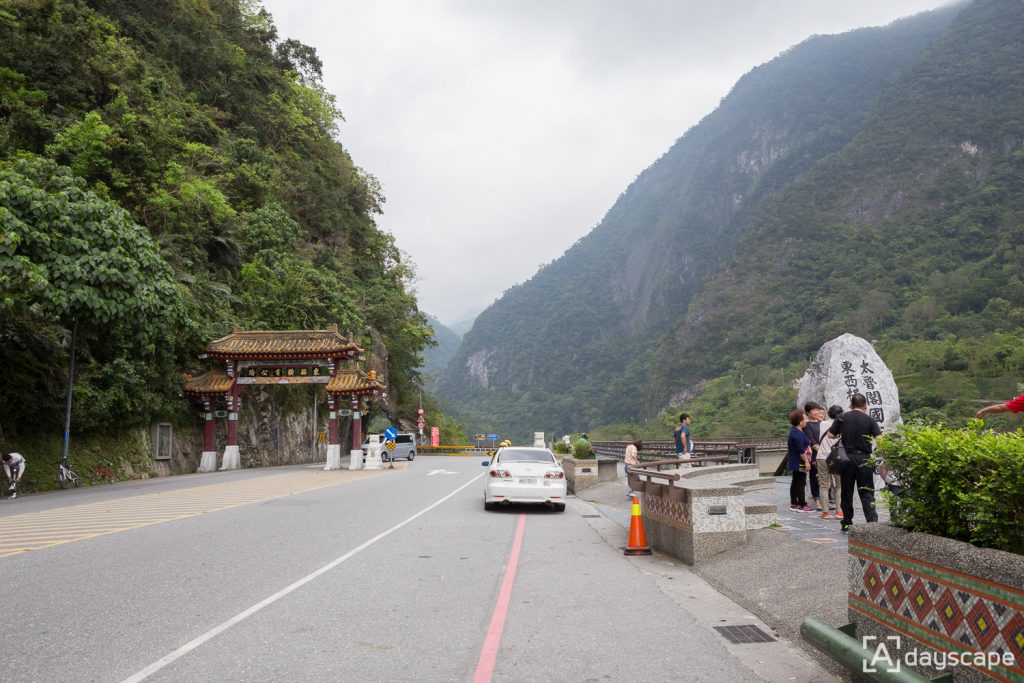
<point>943,609</point>
<point>673,513</point>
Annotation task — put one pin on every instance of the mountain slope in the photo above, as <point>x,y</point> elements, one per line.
<point>572,346</point>
<point>436,358</point>
<point>915,226</point>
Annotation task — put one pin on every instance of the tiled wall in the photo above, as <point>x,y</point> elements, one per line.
<point>944,609</point>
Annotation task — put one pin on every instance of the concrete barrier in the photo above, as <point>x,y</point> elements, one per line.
<point>580,474</point>
<point>697,513</point>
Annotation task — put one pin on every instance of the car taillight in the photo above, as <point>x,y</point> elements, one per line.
<point>501,474</point>
<point>555,475</point>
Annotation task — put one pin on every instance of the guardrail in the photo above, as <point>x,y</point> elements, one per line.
<point>841,645</point>
<point>455,450</point>
<point>718,451</point>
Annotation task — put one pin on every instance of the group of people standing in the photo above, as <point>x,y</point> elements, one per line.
<point>813,436</point>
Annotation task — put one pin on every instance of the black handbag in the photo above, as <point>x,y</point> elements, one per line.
<point>837,460</point>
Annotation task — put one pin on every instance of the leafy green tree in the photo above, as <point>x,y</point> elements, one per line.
<point>66,255</point>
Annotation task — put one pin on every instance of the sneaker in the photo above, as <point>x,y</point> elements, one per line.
<point>806,509</point>
<point>825,515</point>
<point>844,530</point>
<point>839,514</point>
<point>794,508</point>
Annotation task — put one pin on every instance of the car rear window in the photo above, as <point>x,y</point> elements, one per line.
<point>525,455</point>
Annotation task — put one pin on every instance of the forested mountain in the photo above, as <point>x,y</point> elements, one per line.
<point>169,170</point>
<point>436,358</point>
<point>866,182</point>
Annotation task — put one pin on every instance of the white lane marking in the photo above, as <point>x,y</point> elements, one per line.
<point>433,472</point>
<point>241,616</point>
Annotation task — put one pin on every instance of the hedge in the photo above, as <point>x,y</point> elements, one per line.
<point>965,484</point>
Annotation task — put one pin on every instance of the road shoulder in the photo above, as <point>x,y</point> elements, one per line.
<point>714,603</point>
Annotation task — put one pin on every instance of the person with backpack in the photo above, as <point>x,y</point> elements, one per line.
<point>857,431</point>
<point>684,442</point>
<point>829,483</point>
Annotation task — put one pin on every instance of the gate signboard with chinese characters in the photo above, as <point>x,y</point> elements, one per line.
<point>275,372</point>
<point>283,357</point>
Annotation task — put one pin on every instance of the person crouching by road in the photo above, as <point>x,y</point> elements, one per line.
<point>829,483</point>
<point>798,461</point>
<point>14,467</point>
<point>857,430</point>
<point>632,459</point>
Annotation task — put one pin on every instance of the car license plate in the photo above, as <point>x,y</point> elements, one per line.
<point>527,480</point>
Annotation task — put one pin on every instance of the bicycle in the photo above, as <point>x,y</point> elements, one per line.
<point>66,477</point>
<point>105,470</point>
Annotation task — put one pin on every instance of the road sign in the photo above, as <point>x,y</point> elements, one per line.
<point>492,437</point>
<point>390,445</point>
<point>390,433</point>
<point>421,423</point>
<point>420,411</point>
<point>480,437</point>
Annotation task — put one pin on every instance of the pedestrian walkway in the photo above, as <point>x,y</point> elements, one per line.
<point>48,528</point>
<point>805,526</point>
<point>809,526</point>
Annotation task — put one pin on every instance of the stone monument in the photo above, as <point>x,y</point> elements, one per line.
<point>848,365</point>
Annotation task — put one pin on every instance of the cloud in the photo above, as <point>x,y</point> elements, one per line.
<point>503,131</point>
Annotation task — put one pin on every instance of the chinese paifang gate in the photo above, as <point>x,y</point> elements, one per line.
<point>282,357</point>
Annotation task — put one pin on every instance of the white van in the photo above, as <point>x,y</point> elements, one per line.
<point>405,447</point>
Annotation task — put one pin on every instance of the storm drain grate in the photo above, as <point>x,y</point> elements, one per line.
<point>739,635</point>
<point>592,516</point>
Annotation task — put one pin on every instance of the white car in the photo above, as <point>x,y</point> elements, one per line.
<point>524,475</point>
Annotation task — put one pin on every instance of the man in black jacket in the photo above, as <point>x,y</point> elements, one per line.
<point>858,430</point>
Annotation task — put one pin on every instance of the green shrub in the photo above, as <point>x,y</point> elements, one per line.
<point>966,484</point>
<point>560,447</point>
<point>581,448</point>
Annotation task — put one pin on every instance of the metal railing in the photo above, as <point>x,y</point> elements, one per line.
<point>704,451</point>
<point>841,645</point>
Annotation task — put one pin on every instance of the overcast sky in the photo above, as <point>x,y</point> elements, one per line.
<point>503,130</point>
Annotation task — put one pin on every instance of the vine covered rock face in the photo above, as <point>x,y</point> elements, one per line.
<point>965,484</point>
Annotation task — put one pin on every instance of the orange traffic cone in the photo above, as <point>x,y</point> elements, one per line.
<point>637,537</point>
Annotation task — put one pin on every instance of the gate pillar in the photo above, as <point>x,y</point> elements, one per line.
<point>232,458</point>
<point>333,447</point>
<point>208,463</point>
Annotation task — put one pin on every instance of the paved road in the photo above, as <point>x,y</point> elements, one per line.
<point>299,574</point>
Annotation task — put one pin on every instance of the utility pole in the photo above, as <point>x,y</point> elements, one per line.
<point>71,384</point>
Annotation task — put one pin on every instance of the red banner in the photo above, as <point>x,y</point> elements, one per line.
<point>435,436</point>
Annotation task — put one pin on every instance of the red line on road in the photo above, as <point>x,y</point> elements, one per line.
<point>488,656</point>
